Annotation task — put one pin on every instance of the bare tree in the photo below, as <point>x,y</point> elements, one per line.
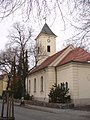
<point>28,6</point>
<point>7,63</point>
<point>38,53</point>
<point>38,8</point>
<point>7,7</point>
<point>15,67</point>
<point>23,39</point>
<point>19,36</point>
<point>81,23</point>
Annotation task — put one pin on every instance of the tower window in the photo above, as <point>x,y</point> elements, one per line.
<point>38,50</point>
<point>48,48</point>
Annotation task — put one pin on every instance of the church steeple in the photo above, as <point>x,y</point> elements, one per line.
<point>47,39</point>
<point>46,30</point>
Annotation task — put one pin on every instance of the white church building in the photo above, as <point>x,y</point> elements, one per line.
<point>70,65</point>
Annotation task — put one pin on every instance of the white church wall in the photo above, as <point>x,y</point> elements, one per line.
<point>37,94</point>
<point>78,77</point>
<point>64,74</point>
<point>84,83</point>
<point>43,40</point>
<point>48,80</point>
<point>51,77</point>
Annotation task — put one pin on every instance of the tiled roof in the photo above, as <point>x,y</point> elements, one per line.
<point>78,55</point>
<point>47,62</point>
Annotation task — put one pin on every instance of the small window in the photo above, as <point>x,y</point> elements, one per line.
<point>34,84</point>
<point>48,48</point>
<point>41,83</point>
<point>38,49</point>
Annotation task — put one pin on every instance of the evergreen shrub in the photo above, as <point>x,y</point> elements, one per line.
<point>60,93</point>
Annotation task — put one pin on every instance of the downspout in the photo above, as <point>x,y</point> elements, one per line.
<point>45,84</point>
<point>55,75</point>
<point>27,85</point>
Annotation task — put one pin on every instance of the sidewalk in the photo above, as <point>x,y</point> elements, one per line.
<point>72,112</point>
<point>55,110</point>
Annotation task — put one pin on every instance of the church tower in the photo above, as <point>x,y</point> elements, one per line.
<point>47,40</point>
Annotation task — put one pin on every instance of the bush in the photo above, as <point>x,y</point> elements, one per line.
<point>59,93</point>
<point>28,97</point>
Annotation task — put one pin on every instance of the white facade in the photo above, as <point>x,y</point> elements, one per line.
<point>78,77</point>
<point>48,75</point>
<point>77,74</point>
<point>46,40</point>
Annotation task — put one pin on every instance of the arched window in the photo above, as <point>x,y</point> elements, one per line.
<point>38,50</point>
<point>34,84</point>
<point>48,48</point>
<point>41,83</point>
<point>29,86</point>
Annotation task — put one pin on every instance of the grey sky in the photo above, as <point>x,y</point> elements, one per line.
<point>57,27</point>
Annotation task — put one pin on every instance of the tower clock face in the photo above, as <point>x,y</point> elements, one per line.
<point>48,40</point>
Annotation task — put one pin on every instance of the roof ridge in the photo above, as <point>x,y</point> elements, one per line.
<point>64,53</point>
<point>76,55</point>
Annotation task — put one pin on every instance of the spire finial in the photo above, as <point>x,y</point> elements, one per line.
<point>45,19</point>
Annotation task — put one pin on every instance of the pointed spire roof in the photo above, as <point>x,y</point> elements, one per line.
<point>46,30</point>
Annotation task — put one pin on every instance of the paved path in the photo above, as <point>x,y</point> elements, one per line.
<point>54,110</point>
<point>71,112</point>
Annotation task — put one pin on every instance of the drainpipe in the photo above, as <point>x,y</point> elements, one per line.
<point>45,84</point>
<point>56,75</point>
<point>27,84</point>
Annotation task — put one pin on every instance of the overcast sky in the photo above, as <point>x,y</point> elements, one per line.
<point>57,27</point>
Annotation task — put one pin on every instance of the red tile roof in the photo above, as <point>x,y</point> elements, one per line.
<point>47,62</point>
<point>77,54</point>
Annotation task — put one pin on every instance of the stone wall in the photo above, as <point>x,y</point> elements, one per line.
<point>51,105</point>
